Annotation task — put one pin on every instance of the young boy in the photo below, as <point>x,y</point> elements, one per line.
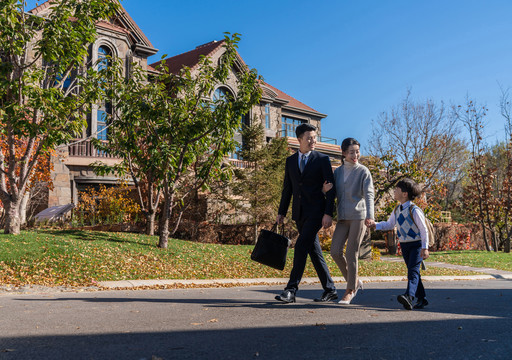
<point>413,237</point>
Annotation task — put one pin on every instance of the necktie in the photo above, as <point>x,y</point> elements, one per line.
<point>401,207</point>
<point>302,163</point>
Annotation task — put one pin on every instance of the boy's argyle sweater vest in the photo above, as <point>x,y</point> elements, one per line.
<point>407,229</point>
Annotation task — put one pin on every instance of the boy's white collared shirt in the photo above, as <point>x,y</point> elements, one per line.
<point>419,220</point>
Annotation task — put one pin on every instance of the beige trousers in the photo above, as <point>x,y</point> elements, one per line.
<point>350,232</point>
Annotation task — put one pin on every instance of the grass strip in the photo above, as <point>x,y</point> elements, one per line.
<point>82,258</point>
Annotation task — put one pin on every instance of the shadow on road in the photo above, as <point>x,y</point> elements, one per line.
<point>452,339</point>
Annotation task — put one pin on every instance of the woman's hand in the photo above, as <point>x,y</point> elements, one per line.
<point>327,186</point>
<point>424,254</point>
<point>369,223</point>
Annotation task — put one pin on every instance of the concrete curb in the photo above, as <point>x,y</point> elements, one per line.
<point>127,284</point>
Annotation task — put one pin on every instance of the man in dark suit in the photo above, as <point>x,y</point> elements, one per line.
<point>305,173</point>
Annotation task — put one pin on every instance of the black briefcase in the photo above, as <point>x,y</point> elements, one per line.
<point>271,248</point>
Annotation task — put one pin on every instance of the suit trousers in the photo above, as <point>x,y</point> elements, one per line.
<point>308,243</point>
<point>411,252</point>
<point>350,232</point>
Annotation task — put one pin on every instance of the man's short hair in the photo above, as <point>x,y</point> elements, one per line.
<point>302,128</point>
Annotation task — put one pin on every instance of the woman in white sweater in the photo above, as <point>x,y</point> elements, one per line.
<point>354,194</point>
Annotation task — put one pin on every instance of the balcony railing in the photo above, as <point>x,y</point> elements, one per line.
<point>85,148</point>
<point>323,139</point>
<point>241,164</point>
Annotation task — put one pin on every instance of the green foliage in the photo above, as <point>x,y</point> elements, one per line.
<point>170,127</point>
<point>260,184</point>
<point>37,112</point>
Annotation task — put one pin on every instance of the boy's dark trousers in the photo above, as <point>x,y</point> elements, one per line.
<point>411,252</point>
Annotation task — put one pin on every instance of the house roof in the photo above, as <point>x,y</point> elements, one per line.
<point>291,100</point>
<point>191,59</point>
<point>40,7</point>
<point>124,23</point>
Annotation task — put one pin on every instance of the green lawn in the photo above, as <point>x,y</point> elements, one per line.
<point>81,258</point>
<point>482,259</point>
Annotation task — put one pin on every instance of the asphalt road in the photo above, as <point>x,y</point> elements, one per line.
<point>465,320</point>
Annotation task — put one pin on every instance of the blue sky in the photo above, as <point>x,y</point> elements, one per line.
<point>352,59</point>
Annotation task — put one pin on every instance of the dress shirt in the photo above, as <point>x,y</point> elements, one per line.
<point>306,159</point>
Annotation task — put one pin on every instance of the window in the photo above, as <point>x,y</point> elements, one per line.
<point>66,82</point>
<point>236,154</point>
<point>288,126</point>
<point>101,128</point>
<point>105,108</point>
<point>221,93</point>
<point>104,53</point>
<point>267,116</point>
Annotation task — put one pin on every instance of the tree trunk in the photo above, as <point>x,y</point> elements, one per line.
<point>485,236</point>
<point>163,239</point>
<point>255,233</point>
<point>150,223</point>
<point>494,241</point>
<point>164,223</point>
<point>12,218</point>
<point>23,208</point>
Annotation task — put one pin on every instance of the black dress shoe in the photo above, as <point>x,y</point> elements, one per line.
<point>406,301</point>
<point>287,296</point>
<point>420,304</point>
<point>328,296</point>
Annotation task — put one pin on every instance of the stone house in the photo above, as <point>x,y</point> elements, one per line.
<point>120,38</point>
<point>279,112</point>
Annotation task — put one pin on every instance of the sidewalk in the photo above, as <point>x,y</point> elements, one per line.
<point>487,274</point>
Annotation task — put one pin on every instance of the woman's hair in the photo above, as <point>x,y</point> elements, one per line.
<point>409,186</point>
<point>345,144</point>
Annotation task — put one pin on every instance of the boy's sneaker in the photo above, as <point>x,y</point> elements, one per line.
<point>420,304</point>
<point>406,301</point>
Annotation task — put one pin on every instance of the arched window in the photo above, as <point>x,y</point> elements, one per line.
<point>221,93</point>
<point>104,55</point>
<point>104,109</point>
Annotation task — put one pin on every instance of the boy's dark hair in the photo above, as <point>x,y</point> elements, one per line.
<point>302,128</point>
<point>409,186</point>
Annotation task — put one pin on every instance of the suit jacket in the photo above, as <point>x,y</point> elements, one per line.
<point>306,188</point>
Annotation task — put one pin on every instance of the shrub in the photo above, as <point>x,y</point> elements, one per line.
<point>106,206</point>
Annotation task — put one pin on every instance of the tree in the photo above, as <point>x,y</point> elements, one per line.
<point>166,128</point>
<point>45,88</point>
<point>506,112</point>
<point>386,172</point>
<point>423,134</point>
<point>260,184</point>
<point>479,201</point>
